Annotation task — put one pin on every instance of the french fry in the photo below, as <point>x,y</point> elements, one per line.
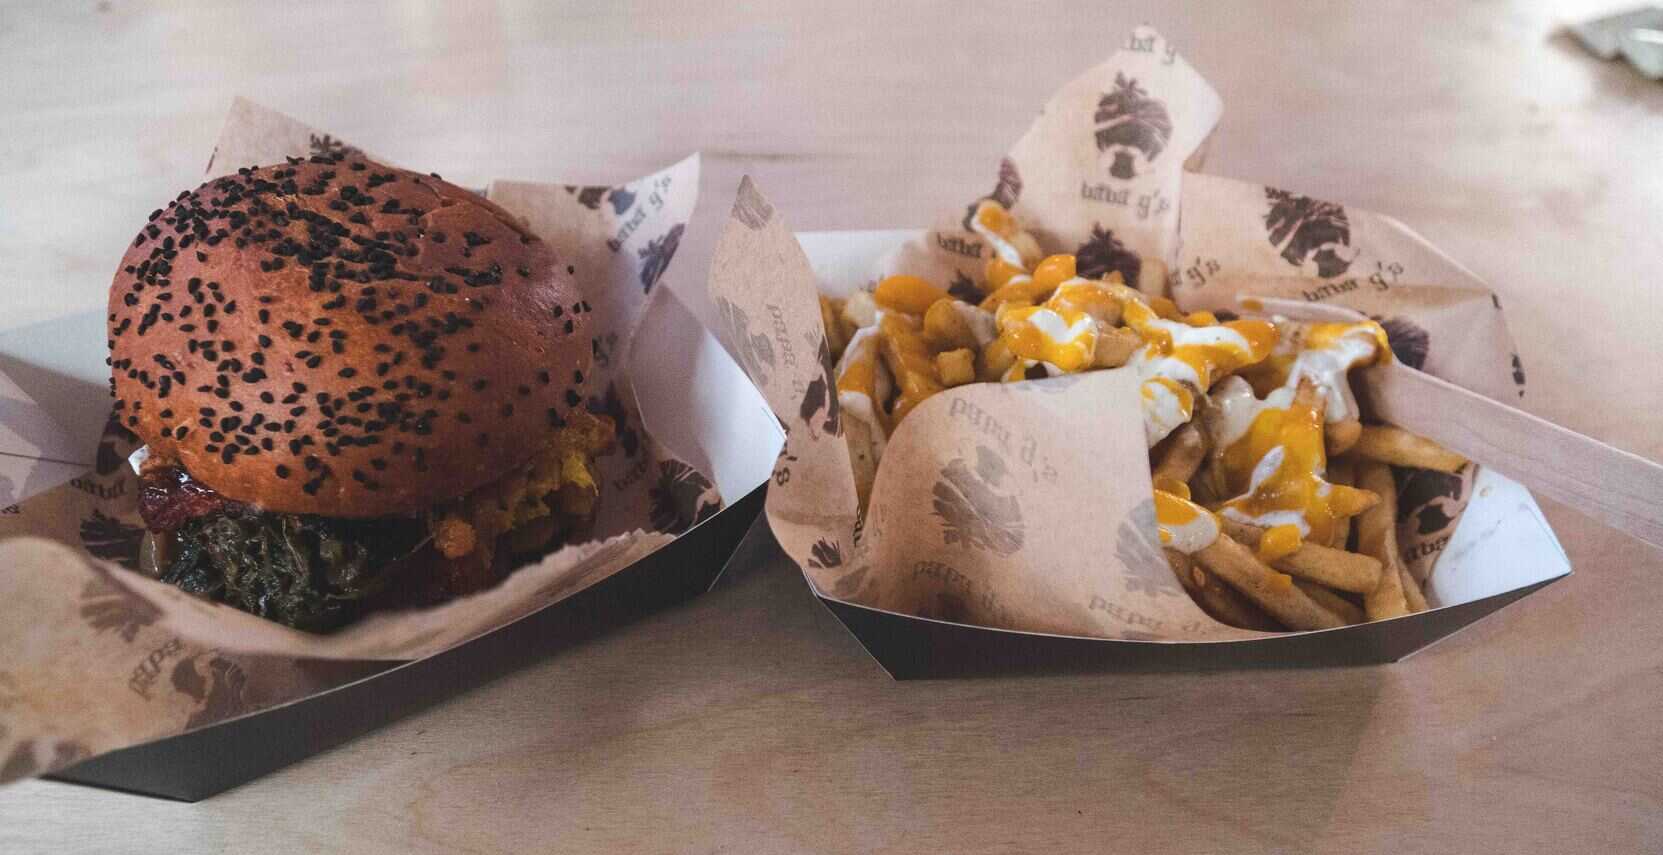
<point>1027,246</point>
<point>1336,568</point>
<point>955,367</point>
<point>1020,291</point>
<point>997,359</point>
<point>1399,447</point>
<point>1179,455</point>
<point>1339,437</point>
<point>1274,592</point>
<point>1377,536</point>
<point>864,450</point>
<point>945,328</point>
<point>910,294</point>
<point>909,361</point>
<point>1054,270</point>
<point>1220,601</point>
<point>1343,472</point>
<point>1115,346</point>
<point>836,338</point>
<point>859,310</point>
<point>1412,593</point>
<point>1103,302</point>
<point>997,273</point>
<point>1342,608</point>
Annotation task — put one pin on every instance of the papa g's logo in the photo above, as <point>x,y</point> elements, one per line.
<point>656,255</point>
<point>113,447</point>
<point>821,394</point>
<point>591,197</point>
<point>1132,127</point>
<point>750,208</point>
<point>107,604</point>
<point>216,684</point>
<point>1139,549</point>
<point>677,500</point>
<point>1410,343</point>
<point>971,508</point>
<point>1431,499</point>
<point>1312,235</point>
<point>112,539</point>
<point>1103,253</point>
<point>754,351</point>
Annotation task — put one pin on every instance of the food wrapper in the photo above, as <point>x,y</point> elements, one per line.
<point>97,657</point>
<point>1027,506</point>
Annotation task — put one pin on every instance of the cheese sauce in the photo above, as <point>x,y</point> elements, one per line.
<point>995,225</point>
<point>1181,358</point>
<point>1183,525</point>
<point>1281,381</point>
<point>1065,338</point>
<point>1276,467</point>
<point>863,382</point>
<point>1323,354</point>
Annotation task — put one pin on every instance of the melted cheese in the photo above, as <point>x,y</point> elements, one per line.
<point>995,225</point>
<point>1179,360</point>
<point>1322,354</point>
<point>1066,339</point>
<point>1277,465</point>
<point>1183,525</point>
<point>863,382</point>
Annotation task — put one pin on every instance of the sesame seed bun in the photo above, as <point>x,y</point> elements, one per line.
<point>337,337</point>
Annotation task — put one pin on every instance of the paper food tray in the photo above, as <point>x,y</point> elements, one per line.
<point>1502,551</point>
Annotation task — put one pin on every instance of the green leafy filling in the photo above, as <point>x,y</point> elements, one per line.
<point>307,572</point>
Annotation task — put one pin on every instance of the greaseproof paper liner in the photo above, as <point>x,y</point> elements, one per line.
<point>1027,506</point>
<point>97,657</point>
<point>35,452</point>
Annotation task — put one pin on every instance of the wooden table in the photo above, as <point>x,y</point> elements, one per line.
<point>748,721</point>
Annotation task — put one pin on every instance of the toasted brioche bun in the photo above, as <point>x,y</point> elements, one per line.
<point>337,337</point>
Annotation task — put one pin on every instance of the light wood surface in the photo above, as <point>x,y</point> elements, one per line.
<point>748,721</point>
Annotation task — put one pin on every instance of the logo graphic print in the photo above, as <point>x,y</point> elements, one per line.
<point>612,406</point>
<point>216,683</point>
<point>821,394</point>
<point>750,208</point>
<point>1311,235</point>
<point>677,497</point>
<point>113,447</point>
<point>962,288</point>
<point>1006,191</point>
<point>1431,499</point>
<point>108,604</point>
<point>1103,253</point>
<point>656,255</point>
<point>754,351</point>
<point>1409,342</point>
<point>972,509</point>
<point>588,197</point>
<point>1139,550</point>
<point>29,758</point>
<point>111,539</point>
<point>1132,127</point>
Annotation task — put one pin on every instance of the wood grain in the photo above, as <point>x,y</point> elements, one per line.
<point>748,721</point>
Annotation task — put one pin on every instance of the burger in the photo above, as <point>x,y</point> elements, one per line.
<point>356,387</point>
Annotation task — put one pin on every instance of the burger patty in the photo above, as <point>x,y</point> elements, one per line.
<point>317,573</point>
